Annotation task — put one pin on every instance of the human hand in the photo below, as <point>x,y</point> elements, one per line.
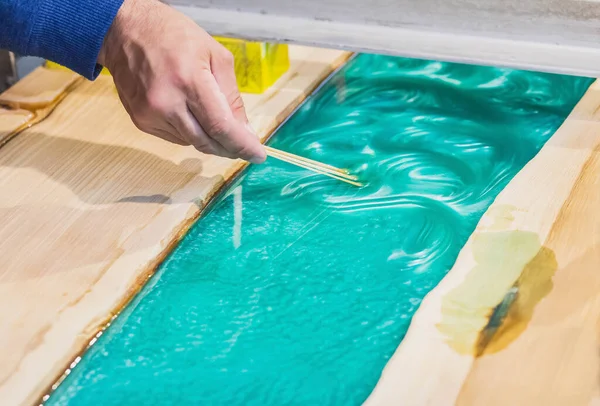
<point>177,82</point>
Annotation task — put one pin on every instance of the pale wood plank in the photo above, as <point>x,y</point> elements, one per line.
<point>39,89</point>
<point>90,205</point>
<point>540,238</point>
<point>32,99</point>
<point>12,121</point>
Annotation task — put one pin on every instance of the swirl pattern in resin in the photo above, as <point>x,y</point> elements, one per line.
<point>296,288</point>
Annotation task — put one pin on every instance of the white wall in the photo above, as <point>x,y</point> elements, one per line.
<point>538,34</point>
<point>573,20</point>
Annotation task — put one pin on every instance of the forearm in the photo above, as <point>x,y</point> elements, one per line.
<point>68,32</point>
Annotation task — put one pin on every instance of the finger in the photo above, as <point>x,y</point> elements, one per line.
<point>167,136</point>
<point>210,107</point>
<point>186,125</point>
<point>170,136</point>
<point>222,65</point>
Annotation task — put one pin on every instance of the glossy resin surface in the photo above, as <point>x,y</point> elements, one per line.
<point>296,288</point>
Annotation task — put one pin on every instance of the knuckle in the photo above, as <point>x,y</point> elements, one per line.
<point>240,150</point>
<point>227,57</point>
<point>180,76</point>
<point>156,104</point>
<point>203,146</point>
<point>218,128</point>
<point>244,152</point>
<point>236,102</point>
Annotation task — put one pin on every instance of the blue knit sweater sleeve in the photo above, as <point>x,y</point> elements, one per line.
<point>68,32</point>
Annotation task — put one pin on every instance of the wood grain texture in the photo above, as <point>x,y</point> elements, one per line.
<point>40,88</point>
<point>12,121</point>
<point>517,319</point>
<point>32,99</point>
<point>89,207</point>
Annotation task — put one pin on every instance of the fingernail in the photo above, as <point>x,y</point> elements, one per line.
<point>259,159</point>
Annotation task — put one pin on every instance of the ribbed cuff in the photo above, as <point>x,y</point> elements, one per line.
<point>71,32</point>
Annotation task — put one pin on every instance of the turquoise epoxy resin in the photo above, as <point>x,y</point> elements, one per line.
<point>297,288</point>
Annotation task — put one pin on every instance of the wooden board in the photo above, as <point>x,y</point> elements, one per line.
<point>516,321</point>
<point>90,205</point>
<point>31,100</point>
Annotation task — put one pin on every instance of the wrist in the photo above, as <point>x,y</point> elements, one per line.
<point>116,34</point>
<point>106,45</point>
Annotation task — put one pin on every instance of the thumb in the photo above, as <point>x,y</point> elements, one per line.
<point>212,110</point>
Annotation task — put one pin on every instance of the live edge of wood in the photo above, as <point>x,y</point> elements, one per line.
<point>516,321</point>
<point>90,206</point>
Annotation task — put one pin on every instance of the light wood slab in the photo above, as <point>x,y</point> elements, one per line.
<point>12,121</point>
<point>517,319</point>
<point>90,205</point>
<point>32,99</point>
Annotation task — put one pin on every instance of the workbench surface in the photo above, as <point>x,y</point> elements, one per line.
<point>90,206</point>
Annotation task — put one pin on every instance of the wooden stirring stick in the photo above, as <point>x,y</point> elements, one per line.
<point>317,167</point>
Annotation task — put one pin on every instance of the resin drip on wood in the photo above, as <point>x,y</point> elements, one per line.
<point>296,288</point>
<point>90,205</point>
